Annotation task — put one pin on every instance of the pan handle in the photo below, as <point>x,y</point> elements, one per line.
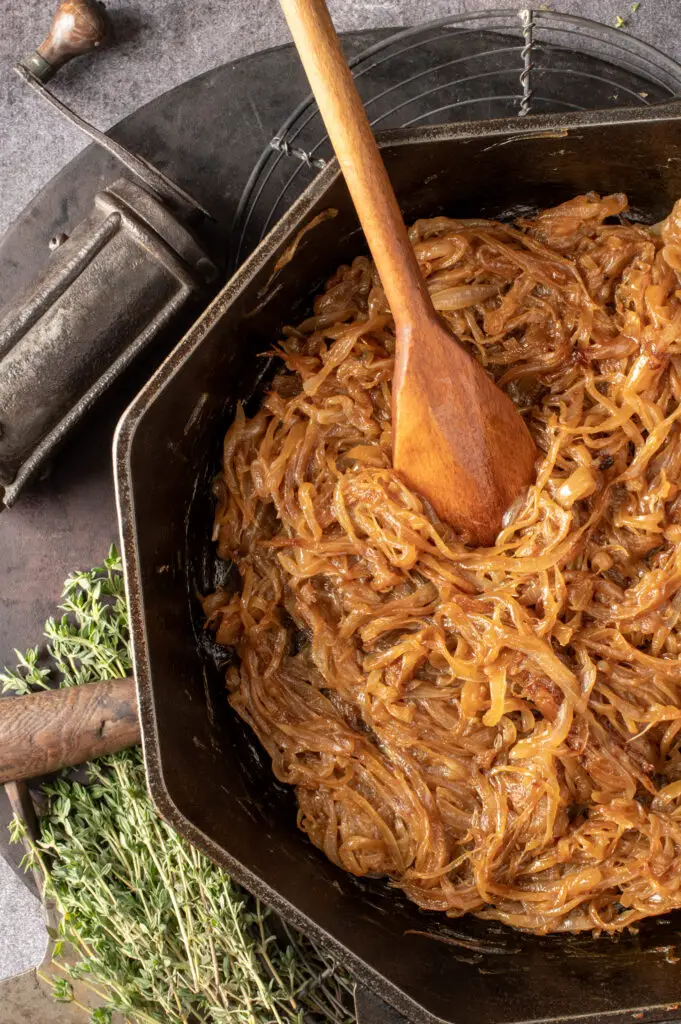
<point>57,729</point>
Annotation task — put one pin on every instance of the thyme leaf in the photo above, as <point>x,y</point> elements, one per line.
<point>161,933</point>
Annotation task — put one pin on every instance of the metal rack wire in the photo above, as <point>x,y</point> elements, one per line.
<point>470,67</point>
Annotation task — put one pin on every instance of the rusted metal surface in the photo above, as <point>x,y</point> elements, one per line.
<point>110,289</point>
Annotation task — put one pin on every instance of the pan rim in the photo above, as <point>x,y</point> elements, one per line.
<point>530,127</point>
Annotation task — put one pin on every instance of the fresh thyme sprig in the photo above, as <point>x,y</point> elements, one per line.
<point>162,934</point>
<point>89,641</point>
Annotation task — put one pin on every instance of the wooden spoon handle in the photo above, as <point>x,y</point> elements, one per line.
<point>57,729</point>
<point>358,155</point>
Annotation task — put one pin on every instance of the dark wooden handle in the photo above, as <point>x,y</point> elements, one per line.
<point>57,729</point>
<point>78,27</point>
<point>358,155</point>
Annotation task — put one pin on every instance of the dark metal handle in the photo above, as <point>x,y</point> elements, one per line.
<point>78,27</point>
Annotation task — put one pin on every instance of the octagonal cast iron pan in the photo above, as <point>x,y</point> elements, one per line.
<point>207,774</point>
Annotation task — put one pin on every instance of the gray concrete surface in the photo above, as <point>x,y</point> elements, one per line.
<point>160,44</point>
<point>23,938</point>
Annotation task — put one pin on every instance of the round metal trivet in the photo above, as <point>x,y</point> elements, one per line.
<point>470,67</point>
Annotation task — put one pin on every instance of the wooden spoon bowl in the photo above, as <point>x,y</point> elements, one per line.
<point>457,438</point>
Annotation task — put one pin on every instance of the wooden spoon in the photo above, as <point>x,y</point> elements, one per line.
<point>457,439</point>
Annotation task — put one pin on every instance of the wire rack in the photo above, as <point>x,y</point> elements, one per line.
<point>470,67</point>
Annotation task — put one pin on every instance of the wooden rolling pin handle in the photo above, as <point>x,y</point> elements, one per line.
<point>78,27</point>
<point>57,729</point>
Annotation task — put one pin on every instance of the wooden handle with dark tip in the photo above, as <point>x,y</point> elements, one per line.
<point>358,155</point>
<point>54,729</point>
<point>457,439</point>
<point>78,27</point>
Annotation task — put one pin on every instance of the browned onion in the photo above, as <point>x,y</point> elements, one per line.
<point>496,730</point>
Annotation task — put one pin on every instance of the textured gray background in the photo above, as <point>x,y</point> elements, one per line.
<point>160,43</point>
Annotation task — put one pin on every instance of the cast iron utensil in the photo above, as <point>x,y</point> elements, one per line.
<point>457,438</point>
<point>124,280</point>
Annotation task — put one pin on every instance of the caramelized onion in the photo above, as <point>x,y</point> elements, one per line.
<point>496,731</point>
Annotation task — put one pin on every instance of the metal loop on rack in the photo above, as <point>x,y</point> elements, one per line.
<point>455,68</point>
<point>526,16</point>
<point>280,145</point>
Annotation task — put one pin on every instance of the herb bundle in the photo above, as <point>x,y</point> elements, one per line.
<point>161,933</point>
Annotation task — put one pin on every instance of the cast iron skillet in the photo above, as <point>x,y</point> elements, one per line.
<point>207,775</point>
